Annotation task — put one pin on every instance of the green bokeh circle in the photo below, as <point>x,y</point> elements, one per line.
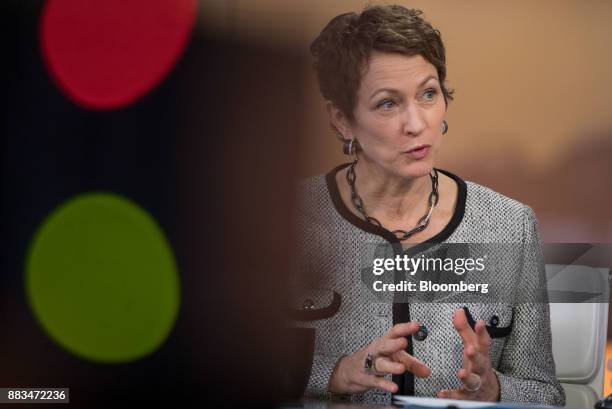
<point>102,280</point>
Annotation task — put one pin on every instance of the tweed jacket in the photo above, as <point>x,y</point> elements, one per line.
<point>331,244</point>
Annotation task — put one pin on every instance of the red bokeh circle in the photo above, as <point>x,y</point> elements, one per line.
<point>105,54</point>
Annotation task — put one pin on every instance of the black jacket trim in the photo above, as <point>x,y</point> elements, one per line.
<point>318,313</point>
<point>494,332</point>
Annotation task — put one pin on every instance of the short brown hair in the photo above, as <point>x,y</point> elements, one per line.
<point>342,50</point>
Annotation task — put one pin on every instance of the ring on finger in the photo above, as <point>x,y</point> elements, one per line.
<point>369,365</point>
<point>477,387</point>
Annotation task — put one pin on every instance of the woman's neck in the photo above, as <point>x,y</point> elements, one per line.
<point>388,196</point>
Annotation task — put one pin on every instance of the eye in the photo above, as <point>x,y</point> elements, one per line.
<point>386,104</point>
<point>430,94</point>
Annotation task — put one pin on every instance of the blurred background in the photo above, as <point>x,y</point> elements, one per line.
<point>201,115</point>
<point>531,116</point>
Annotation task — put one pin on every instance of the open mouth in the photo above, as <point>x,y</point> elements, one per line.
<point>419,152</point>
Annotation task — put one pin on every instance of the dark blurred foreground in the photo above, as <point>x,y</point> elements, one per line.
<point>210,154</point>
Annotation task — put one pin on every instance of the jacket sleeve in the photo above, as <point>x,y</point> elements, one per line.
<point>325,355</point>
<point>526,371</point>
<point>304,285</point>
<point>322,368</point>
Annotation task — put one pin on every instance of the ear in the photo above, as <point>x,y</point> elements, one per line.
<point>339,121</point>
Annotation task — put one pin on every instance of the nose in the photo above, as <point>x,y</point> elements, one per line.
<point>413,120</point>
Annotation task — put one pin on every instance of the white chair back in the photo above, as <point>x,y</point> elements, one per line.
<point>579,332</point>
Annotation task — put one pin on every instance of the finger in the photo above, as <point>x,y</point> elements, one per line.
<point>412,364</point>
<point>385,346</point>
<point>462,326</point>
<point>484,339</point>
<point>386,365</point>
<point>371,381</point>
<point>453,394</point>
<point>475,361</point>
<point>472,381</point>
<point>403,330</point>
<point>385,385</point>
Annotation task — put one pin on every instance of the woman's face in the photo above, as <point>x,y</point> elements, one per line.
<point>398,114</point>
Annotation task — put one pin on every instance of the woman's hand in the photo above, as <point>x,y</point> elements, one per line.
<point>350,376</point>
<point>479,380</point>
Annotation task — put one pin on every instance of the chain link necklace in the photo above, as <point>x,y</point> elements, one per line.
<point>402,235</point>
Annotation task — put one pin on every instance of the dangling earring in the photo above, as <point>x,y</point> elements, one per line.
<point>349,147</point>
<point>444,127</point>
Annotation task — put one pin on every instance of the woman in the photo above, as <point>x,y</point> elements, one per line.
<point>383,74</point>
